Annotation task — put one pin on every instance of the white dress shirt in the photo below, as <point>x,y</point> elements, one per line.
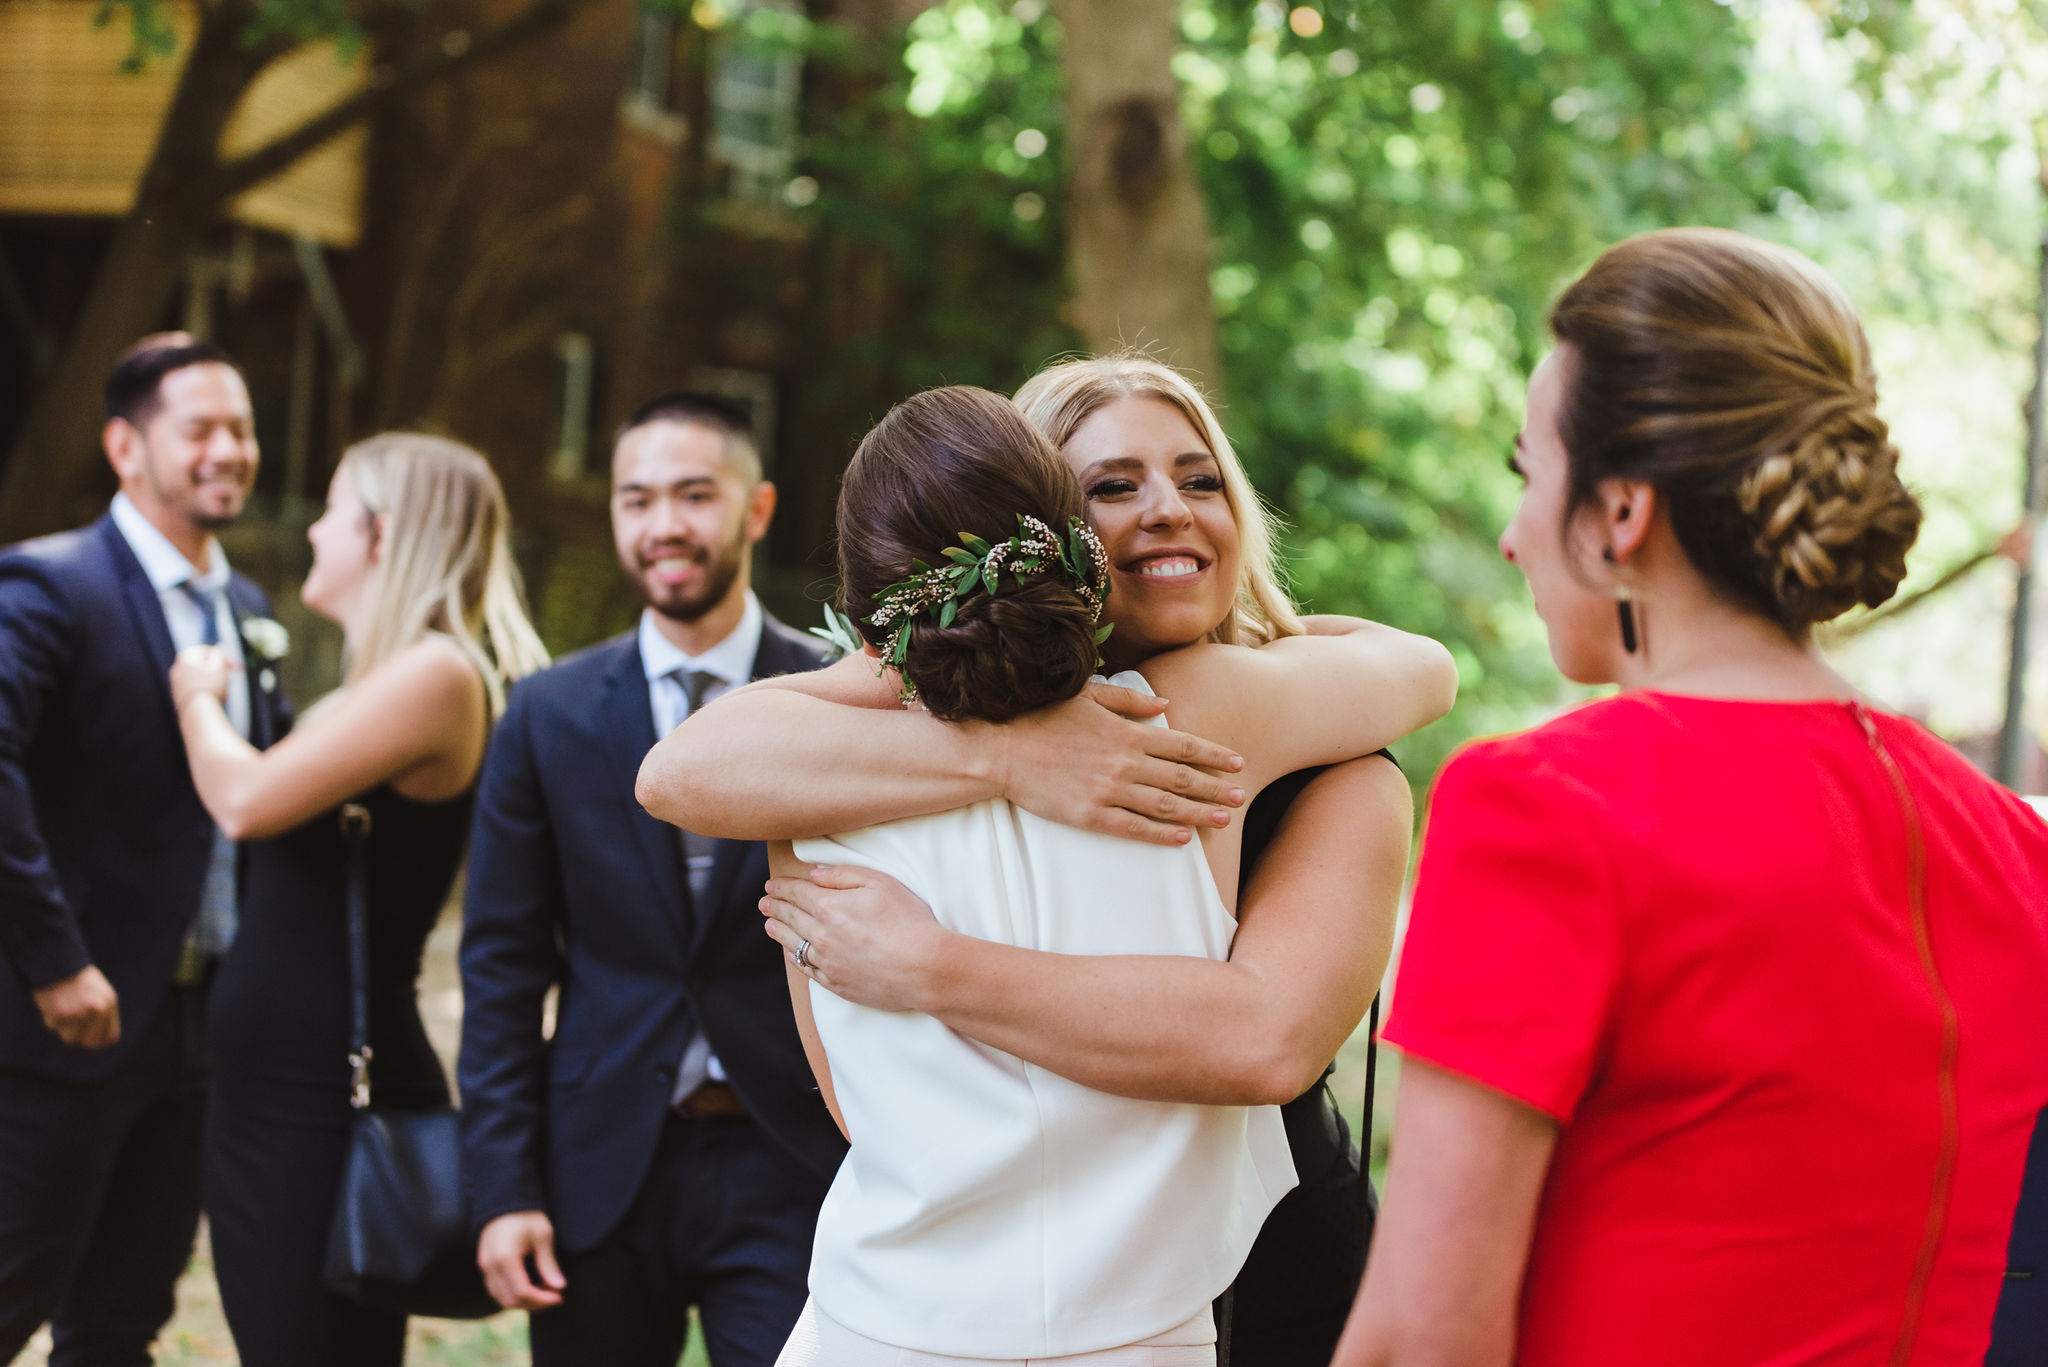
<point>213,929</point>
<point>167,568</point>
<point>731,662</point>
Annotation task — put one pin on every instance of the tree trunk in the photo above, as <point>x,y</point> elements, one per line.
<point>51,464</point>
<point>2014,742</point>
<point>1138,231</point>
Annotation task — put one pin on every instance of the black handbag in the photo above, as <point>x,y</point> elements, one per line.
<point>400,1239</point>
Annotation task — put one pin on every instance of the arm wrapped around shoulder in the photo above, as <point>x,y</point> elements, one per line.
<point>1005,653</point>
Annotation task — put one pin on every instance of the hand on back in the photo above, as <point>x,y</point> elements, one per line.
<point>1093,763</point>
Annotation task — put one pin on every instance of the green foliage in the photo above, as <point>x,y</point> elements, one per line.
<point>938,172</point>
<point>277,24</point>
<point>150,32</point>
<point>1397,190</point>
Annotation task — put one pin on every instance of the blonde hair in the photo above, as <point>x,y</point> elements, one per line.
<point>445,558</point>
<point>1059,398</point>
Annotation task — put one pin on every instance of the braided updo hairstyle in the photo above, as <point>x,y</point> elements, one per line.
<point>941,463</point>
<point>1734,377</point>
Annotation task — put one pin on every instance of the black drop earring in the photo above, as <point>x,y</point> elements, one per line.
<point>1624,609</point>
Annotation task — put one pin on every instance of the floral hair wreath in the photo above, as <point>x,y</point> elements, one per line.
<point>976,565</point>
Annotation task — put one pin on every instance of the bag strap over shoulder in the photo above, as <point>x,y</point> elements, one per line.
<point>355,839</point>
<point>1372,1077</point>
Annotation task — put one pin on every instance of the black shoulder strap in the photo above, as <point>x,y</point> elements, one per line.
<point>1372,1077</point>
<point>355,838</point>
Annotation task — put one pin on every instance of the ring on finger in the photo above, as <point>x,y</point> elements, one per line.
<point>803,956</point>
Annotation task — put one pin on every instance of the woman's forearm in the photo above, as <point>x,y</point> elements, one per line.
<point>1152,1027</point>
<point>776,764</point>
<point>1315,928</point>
<point>224,766</point>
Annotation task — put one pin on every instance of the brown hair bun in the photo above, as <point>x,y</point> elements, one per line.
<point>1006,653</point>
<point>940,464</point>
<point>1734,378</point>
<point>1833,519</point>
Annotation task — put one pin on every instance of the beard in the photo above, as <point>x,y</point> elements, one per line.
<point>721,572</point>
<point>213,522</point>
<point>179,492</point>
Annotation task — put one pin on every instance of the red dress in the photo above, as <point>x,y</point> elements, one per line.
<point>1781,972</point>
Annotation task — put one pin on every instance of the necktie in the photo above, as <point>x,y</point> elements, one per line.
<point>208,602</point>
<point>213,929</point>
<point>698,850</point>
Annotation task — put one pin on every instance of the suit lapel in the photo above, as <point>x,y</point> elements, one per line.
<point>772,657</point>
<point>629,731</point>
<point>145,612</point>
<point>253,668</point>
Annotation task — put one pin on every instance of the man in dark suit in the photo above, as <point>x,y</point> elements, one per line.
<point>117,892</point>
<point>668,1147</point>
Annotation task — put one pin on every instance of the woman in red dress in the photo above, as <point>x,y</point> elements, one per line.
<point>1724,1000</point>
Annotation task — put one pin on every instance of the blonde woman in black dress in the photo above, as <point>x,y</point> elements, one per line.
<point>412,560</point>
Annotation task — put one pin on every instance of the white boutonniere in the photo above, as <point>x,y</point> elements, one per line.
<point>267,638</point>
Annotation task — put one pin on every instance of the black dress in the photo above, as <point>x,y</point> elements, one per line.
<point>278,1115</point>
<point>1291,1298</point>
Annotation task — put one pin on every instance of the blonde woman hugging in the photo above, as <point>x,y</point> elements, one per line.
<point>990,1210</point>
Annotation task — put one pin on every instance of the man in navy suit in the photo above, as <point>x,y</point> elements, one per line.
<point>668,1147</point>
<point>117,892</point>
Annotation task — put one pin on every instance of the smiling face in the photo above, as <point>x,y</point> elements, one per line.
<point>683,520</point>
<point>1572,597</point>
<point>345,546</point>
<point>192,460</point>
<point>1155,496</point>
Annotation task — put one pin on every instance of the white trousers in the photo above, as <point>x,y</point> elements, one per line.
<point>821,1341</point>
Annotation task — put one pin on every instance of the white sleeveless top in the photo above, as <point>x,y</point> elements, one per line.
<point>989,1208</point>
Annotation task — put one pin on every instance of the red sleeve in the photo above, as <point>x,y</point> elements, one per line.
<point>1513,953</point>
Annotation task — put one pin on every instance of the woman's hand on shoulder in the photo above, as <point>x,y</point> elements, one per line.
<point>1093,762</point>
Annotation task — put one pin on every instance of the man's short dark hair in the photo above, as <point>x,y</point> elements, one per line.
<point>723,416</point>
<point>135,385</point>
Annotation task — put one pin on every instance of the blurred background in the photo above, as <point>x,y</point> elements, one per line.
<point>511,220</point>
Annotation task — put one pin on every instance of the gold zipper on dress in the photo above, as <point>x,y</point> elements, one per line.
<point>1951,1038</point>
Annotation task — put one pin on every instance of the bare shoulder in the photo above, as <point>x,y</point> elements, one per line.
<point>1209,688</point>
<point>433,673</point>
<point>1195,672</point>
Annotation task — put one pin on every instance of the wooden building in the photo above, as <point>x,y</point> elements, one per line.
<point>516,256</point>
